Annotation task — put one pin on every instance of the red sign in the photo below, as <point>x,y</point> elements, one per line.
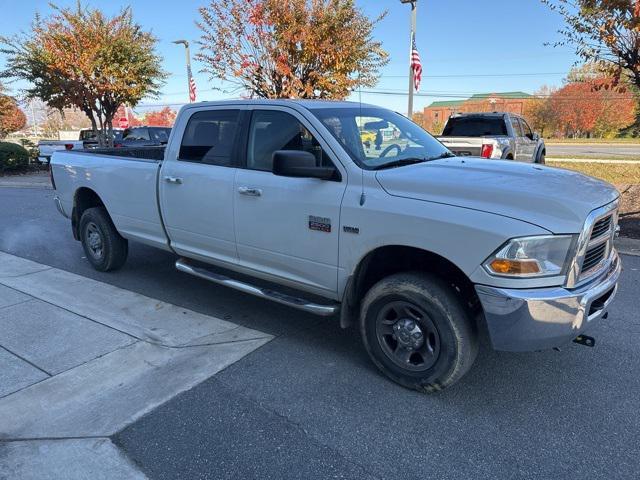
<point>123,122</point>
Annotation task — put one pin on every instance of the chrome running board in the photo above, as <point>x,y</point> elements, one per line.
<point>183,265</point>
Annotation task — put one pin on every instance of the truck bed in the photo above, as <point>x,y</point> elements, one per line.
<point>125,180</point>
<point>143,153</point>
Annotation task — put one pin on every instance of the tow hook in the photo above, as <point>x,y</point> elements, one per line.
<point>585,340</point>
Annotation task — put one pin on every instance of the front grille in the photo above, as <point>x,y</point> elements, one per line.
<point>601,227</point>
<point>594,256</point>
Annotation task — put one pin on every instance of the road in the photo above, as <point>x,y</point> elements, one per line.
<point>309,404</point>
<point>614,150</point>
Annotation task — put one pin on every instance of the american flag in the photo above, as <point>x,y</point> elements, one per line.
<point>192,85</point>
<point>416,65</point>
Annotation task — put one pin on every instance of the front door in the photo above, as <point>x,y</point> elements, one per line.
<point>287,227</point>
<point>196,190</point>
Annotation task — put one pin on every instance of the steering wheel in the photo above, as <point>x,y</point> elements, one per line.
<point>389,148</point>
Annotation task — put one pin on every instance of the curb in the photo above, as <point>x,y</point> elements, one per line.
<point>628,246</point>
<point>591,160</point>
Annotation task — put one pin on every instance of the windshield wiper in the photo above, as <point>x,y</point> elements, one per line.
<point>441,156</point>
<point>400,163</point>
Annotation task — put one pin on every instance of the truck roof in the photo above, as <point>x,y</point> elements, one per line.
<point>308,104</point>
<point>480,114</point>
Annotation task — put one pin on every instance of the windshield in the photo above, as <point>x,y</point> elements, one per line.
<point>475,127</point>
<point>375,137</point>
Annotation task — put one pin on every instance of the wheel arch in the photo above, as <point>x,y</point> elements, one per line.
<point>83,199</point>
<point>390,259</point>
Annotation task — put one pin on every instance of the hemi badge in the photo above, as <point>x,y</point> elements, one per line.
<point>348,229</point>
<point>320,224</point>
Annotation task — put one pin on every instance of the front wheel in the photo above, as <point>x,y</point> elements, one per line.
<point>417,331</point>
<point>541,159</point>
<point>104,247</point>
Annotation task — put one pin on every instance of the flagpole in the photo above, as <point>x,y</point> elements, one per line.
<point>411,73</point>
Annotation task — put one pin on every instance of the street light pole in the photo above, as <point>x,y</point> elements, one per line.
<point>411,38</point>
<point>188,55</point>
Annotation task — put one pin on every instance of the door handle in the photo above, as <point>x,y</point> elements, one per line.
<point>249,191</point>
<point>176,180</point>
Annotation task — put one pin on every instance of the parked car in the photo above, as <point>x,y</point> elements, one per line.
<point>144,137</point>
<point>86,139</point>
<point>420,249</point>
<point>493,135</point>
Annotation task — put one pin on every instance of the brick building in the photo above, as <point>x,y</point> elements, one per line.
<point>437,114</point>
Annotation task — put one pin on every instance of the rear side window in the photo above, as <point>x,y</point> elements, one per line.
<point>475,127</point>
<point>210,137</point>
<point>161,135</point>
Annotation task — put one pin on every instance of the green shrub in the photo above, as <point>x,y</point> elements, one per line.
<point>13,157</point>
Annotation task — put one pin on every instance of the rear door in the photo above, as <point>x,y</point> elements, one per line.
<point>529,144</point>
<point>520,153</point>
<point>197,188</point>
<point>286,227</point>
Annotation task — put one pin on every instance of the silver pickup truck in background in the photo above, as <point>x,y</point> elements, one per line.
<point>421,249</point>
<point>493,135</point>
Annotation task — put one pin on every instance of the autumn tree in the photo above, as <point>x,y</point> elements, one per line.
<point>12,118</point>
<point>290,48</point>
<point>607,33</point>
<point>582,109</point>
<point>539,111</point>
<point>79,57</point>
<point>160,118</point>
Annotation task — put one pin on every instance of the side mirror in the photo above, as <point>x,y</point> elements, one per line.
<point>535,137</point>
<point>301,164</point>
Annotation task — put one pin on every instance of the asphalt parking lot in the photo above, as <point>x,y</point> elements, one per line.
<point>308,404</point>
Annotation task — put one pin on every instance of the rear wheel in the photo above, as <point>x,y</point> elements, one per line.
<point>418,332</point>
<point>104,247</point>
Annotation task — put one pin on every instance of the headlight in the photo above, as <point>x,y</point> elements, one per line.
<point>542,256</point>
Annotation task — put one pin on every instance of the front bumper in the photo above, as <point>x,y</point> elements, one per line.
<point>543,318</point>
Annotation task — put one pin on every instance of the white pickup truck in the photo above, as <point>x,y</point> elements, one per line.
<point>86,139</point>
<point>423,250</point>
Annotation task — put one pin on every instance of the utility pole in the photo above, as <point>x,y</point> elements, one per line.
<point>411,39</point>
<point>190,84</point>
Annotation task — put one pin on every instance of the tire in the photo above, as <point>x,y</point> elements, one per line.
<point>449,340</point>
<point>104,247</point>
<point>541,160</point>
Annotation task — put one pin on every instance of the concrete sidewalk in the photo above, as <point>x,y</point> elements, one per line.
<point>30,180</point>
<point>80,360</point>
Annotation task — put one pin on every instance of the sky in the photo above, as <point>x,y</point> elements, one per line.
<point>466,46</point>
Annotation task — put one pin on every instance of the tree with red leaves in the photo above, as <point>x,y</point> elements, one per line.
<point>12,118</point>
<point>607,33</point>
<point>160,118</point>
<point>290,48</point>
<point>582,109</point>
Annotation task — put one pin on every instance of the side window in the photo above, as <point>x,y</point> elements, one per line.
<point>517,128</point>
<point>138,134</point>
<point>526,129</point>
<point>274,130</point>
<point>160,135</point>
<point>210,137</point>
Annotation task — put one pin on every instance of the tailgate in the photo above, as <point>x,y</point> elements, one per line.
<point>463,146</point>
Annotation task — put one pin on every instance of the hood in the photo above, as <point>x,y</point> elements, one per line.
<point>552,198</point>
